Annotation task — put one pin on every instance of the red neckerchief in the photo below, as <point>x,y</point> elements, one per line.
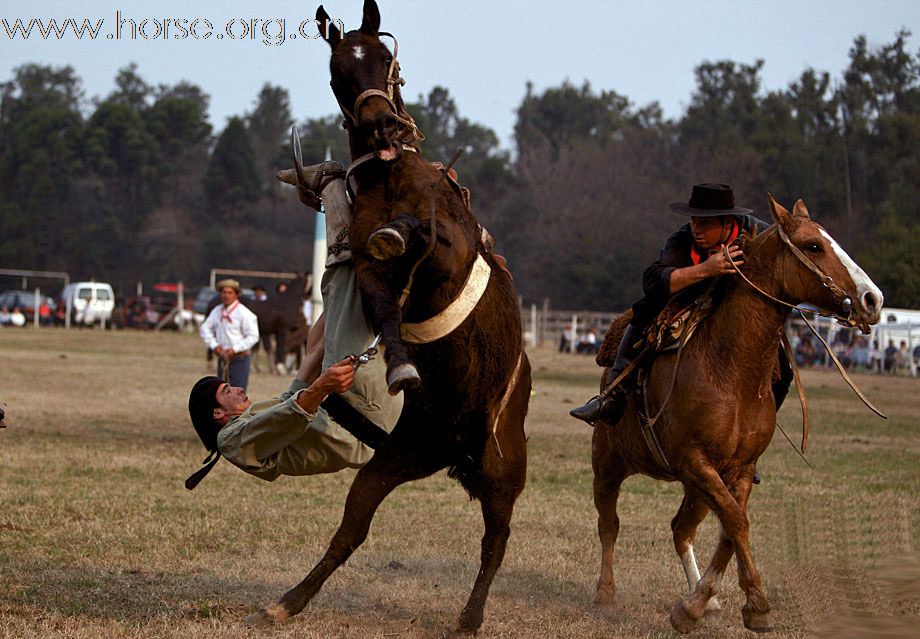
<point>696,256</point>
<point>226,310</point>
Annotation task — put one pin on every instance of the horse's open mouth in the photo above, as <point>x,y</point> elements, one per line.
<point>388,154</point>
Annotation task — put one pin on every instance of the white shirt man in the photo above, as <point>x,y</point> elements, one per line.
<point>17,318</point>
<point>230,330</point>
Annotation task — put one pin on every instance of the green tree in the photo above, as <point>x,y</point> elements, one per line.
<point>318,134</point>
<point>484,168</point>
<point>568,115</point>
<point>232,178</point>
<point>131,90</point>
<point>269,126</point>
<point>40,140</point>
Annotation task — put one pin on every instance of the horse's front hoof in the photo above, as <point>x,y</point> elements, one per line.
<point>403,377</point>
<point>386,243</point>
<point>757,621</point>
<point>267,616</point>
<point>680,619</point>
<point>468,623</point>
<point>605,596</point>
<point>259,619</point>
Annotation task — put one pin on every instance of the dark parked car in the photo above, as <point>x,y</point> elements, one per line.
<point>25,302</point>
<point>203,301</point>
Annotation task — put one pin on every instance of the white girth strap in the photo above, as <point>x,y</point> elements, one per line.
<point>451,317</point>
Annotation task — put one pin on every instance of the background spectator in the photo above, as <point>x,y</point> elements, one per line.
<point>891,357</point>
<point>17,318</point>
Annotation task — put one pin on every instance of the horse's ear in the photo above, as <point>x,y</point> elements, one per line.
<point>780,215</point>
<point>799,209</point>
<point>327,28</point>
<point>370,23</point>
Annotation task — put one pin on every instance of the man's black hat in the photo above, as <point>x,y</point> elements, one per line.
<point>709,200</point>
<point>201,404</point>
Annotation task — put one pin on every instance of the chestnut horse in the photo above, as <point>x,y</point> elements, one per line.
<point>467,391</point>
<point>718,411</point>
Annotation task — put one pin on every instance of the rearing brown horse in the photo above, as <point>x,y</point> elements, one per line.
<point>466,377</point>
<point>719,416</point>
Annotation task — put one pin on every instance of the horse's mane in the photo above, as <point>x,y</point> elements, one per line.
<point>753,240</point>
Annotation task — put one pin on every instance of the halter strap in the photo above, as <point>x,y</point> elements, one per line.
<point>839,294</point>
<point>393,79</point>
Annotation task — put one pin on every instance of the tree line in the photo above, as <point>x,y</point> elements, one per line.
<point>140,186</point>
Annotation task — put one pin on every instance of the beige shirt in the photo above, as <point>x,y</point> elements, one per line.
<point>277,437</point>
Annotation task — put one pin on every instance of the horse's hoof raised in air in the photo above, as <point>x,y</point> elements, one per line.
<point>403,377</point>
<point>385,243</point>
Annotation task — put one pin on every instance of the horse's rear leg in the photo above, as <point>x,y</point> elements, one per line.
<point>497,507</point>
<point>609,473</point>
<point>501,479</point>
<point>371,486</point>
<point>281,351</point>
<point>683,527</point>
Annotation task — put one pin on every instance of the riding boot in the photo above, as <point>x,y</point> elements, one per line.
<point>391,240</point>
<point>609,405</point>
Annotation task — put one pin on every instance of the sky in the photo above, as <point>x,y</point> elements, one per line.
<point>484,52</point>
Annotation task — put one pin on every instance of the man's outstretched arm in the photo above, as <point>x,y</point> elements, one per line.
<point>312,362</point>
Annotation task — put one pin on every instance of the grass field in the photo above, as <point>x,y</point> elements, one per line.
<point>99,538</point>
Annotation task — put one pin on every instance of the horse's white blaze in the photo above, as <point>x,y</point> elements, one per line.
<point>359,53</point>
<point>688,559</point>
<point>863,283</point>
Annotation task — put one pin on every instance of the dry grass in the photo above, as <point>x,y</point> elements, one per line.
<point>99,538</point>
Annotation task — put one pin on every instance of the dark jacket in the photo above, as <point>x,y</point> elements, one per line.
<point>674,254</point>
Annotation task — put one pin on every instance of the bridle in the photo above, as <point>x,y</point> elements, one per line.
<point>410,132</point>
<point>842,300</point>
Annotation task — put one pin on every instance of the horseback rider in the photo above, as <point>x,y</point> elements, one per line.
<point>689,259</point>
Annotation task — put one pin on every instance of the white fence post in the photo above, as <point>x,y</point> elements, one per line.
<point>574,334</point>
<point>36,304</point>
<point>533,325</point>
<point>912,365</point>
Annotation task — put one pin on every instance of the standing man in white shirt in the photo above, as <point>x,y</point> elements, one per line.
<point>230,330</point>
